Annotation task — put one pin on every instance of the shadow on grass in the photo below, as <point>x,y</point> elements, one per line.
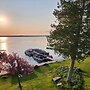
<point>13,79</point>
<point>86,75</point>
<point>42,69</point>
<point>38,70</point>
<point>31,76</point>
<point>47,65</point>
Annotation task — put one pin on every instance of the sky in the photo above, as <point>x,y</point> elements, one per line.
<point>29,17</point>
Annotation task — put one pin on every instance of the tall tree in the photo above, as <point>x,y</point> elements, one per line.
<point>70,34</point>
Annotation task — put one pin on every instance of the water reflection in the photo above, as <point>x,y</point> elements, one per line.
<point>3,43</point>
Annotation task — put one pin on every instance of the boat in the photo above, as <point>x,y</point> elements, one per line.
<point>39,55</point>
<point>31,52</point>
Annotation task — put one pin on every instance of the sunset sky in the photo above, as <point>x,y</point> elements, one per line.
<point>26,16</point>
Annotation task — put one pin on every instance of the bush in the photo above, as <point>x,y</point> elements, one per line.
<point>77,81</point>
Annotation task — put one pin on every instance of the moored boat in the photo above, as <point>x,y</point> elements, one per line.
<point>39,55</point>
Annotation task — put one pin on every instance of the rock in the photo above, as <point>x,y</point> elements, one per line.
<point>59,84</point>
<point>4,77</point>
<point>55,79</point>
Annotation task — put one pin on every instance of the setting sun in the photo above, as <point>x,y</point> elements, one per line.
<point>3,20</point>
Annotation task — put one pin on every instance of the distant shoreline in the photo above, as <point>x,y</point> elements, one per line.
<point>24,35</point>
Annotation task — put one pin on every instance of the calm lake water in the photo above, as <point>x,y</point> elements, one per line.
<point>20,44</point>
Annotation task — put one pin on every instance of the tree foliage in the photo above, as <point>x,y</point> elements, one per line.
<point>70,34</point>
<point>13,64</point>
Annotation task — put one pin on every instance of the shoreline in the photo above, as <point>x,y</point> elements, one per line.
<point>24,35</point>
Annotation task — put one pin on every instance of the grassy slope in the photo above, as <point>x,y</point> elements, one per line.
<point>41,79</point>
<point>85,65</point>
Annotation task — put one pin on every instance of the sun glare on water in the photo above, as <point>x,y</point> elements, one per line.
<point>3,43</point>
<point>3,39</point>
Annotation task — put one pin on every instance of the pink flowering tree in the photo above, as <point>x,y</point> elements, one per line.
<point>14,65</point>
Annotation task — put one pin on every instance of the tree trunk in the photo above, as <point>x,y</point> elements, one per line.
<point>19,82</point>
<point>72,62</point>
<point>18,67</point>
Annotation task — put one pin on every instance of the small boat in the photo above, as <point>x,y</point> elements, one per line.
<point>31,52</point>
<point>39,55</point>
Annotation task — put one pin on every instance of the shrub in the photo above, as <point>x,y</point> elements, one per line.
<point>77,80</point>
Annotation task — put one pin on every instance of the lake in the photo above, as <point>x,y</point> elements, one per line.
<point>20,44</point>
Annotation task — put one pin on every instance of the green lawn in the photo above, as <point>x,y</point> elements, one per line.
<point>41,78</point>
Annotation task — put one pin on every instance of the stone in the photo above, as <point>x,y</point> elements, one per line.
<point>59,84</point>
<point>55,79</point>
<point>4,77</point>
